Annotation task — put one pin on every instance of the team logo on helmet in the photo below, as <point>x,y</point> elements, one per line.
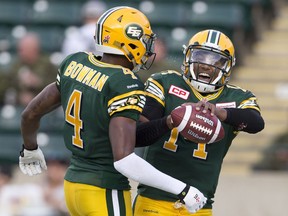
<point>134,31</point>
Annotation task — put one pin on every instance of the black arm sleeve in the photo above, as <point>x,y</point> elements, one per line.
<point>248,120</point>
<point>153,109</point>
<point>148,133</point>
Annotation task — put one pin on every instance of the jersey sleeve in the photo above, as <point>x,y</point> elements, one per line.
<point>127,96</point>
<point>155,89</point>
<point>61,70</point>
<point>248,100</point>
<point>156,86</point>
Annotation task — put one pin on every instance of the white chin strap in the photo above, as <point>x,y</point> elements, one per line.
<point>204,87</point>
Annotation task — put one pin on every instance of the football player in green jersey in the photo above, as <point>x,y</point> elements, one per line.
<point>208,60</point>
<point>102,100</point>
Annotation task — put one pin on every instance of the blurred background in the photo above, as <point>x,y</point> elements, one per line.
<point>36,35</point>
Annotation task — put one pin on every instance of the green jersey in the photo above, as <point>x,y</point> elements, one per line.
<point>197,164</point>
<point>91,92</point>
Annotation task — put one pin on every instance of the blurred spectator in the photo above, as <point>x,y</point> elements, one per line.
<point>275,157</point>
<point>53,185</point>
<point>82,38</point>
<point>42,197</point>
<point>19,199</point>
<point>4,82</point>
<point>5,174</point>
<point>30,73</point>
<point>5,179</point>
<point>162,61</point>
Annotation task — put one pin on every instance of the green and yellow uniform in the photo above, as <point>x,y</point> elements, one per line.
<point>197,164</point>
<point>92,92</point>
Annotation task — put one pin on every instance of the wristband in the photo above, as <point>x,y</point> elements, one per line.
<point>183,193</point>
<point>22,150</point>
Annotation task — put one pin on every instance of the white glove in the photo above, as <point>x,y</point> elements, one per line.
<point>31,162</point>
<point>194,200</point>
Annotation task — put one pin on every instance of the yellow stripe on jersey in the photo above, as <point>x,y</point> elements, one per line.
<point>250,103</point>
<point>156,98</point>
<point>126,108</point>
<point>126,95</point>
<point>132,100</point>
<point>157,84</point>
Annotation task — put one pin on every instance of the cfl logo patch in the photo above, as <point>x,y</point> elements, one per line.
<point>134,31</point>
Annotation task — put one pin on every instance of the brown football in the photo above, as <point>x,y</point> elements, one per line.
<point>197,126</point>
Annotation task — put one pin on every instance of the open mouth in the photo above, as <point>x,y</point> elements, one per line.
<point>204,77</point>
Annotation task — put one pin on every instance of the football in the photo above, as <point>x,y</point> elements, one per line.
<point>197,126</point>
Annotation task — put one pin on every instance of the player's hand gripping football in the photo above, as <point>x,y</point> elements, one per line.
<point>31,162</point>
<point>193,199</point>
<point>202,104</point>
<point>205,105</point>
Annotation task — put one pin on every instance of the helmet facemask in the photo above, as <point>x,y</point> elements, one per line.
<point>149,56</point>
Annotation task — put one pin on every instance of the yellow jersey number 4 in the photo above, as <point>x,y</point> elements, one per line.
<point>72,116</point>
